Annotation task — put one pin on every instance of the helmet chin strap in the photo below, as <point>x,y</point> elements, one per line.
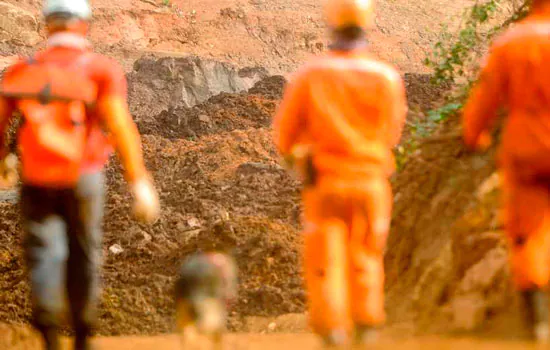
<point>68,39</point>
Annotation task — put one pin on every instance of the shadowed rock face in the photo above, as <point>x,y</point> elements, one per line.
<point>156,85</point>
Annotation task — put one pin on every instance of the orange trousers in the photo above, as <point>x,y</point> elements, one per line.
<point>346,227</point>
<point>526,189</point>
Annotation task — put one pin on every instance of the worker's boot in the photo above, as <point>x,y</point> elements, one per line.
<point>82,339</point>
<point>336,339</point>
<point>365,335</point>
<point>50,337</point>
<point>537,314</point>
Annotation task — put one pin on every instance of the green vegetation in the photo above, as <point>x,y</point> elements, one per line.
<point>454,55</point>
<point>455,61</point>
<point>451,53</point>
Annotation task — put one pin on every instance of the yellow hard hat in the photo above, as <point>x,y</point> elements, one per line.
<point>349,13</point>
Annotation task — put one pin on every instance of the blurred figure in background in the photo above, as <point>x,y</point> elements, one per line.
<point>70,99</point>
<point>340,118</point>
<point>515,76</point>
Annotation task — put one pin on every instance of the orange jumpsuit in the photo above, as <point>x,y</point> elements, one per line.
<point>516,76</point>
<point>350,109</point>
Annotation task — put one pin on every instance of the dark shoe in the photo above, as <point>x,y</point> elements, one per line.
<point>82,339</point>
<point>537,314</point>
<point>365,335</point>
<point>336,339</point>
<point>51,337</point>
<point>83,344</point>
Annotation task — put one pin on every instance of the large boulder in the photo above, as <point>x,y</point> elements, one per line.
<point>160,84</point>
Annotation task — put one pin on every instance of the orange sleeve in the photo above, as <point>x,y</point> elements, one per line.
<point>123,130</point>
<point>485,99</point>
<point>396,108</point>
<point>290,120</point>
<point>6,114</point>
<point>115,116</point>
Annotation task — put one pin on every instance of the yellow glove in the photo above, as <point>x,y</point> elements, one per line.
<point>8,172</point>
<point>146,201</point>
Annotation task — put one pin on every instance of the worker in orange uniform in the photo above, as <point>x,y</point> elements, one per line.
<point>340,118</point>
<point>515,77</point>
<point>73,106</point>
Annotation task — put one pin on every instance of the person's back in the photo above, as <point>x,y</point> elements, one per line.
<point>69,51</point>
<point>340,118</point>
<point>351,120</point>
<point>516,77</point>
<point>519,68</point>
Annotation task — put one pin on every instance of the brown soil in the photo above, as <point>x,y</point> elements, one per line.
<point>446,262</point>
<point>224,112</point>
<point>222,188</point>
<point>223,192</point>
<point>278,35</point>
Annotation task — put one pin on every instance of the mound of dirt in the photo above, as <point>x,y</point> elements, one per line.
<point>223,192</point>
<point>224,112</point>
<point>220,189</point>
<point>446,260</point>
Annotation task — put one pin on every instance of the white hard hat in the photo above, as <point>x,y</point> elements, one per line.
<point>76,8</point>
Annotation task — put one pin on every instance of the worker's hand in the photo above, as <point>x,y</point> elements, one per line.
<point>484,141</point>
<point>8,172</point>
<point>146,201</point>
<point>481,144</point>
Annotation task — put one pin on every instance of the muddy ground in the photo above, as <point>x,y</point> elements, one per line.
<point>221,187</point>
<point>207,140</point>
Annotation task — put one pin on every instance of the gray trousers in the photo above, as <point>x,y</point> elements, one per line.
<point>63,250</point>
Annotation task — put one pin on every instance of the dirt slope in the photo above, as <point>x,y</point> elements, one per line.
<point>221,188</point>
<point>218,174</point>
<point>275,34</point>
<point>446,263</point>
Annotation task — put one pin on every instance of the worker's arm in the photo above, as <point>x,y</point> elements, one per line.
<point>487,96</point>
<point>290,120</point>
<point>124,133</point>
<point>397,107</point>
<point>113,110</point>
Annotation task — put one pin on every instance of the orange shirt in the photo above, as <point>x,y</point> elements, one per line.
<point>110,113</point>
<point>516,76</point>
<point>350,108</point>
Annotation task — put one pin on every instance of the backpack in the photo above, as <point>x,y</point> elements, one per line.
<point>53,100</point>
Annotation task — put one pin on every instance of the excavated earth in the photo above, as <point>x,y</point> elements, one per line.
<point>221,187</point>
<point>207,140</point>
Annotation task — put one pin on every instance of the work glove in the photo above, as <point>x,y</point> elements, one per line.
<point>146,201</point>
<point>8,172</point>
<point>481,144</point>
